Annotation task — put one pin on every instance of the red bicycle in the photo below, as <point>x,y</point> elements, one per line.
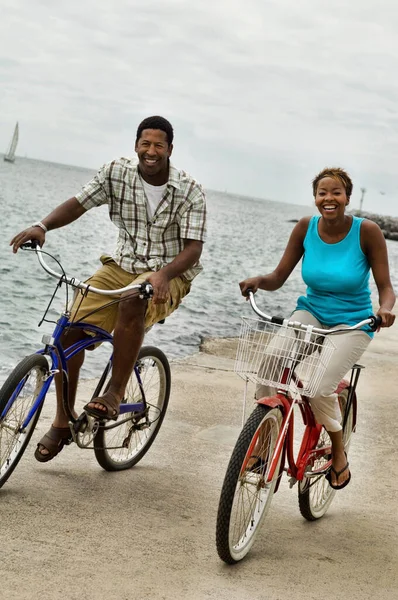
<point>291,357</point>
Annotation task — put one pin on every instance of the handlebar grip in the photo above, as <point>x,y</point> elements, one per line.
<point>376,322</point>
<point>31,244</point>
<point>248,291</point>
<point>277,320</point>
<point>146,290</point>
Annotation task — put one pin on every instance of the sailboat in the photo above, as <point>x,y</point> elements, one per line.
<point>10,154</point>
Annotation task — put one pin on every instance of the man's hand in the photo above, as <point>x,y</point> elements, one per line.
<point>160,284</point>
<point>28,235</point>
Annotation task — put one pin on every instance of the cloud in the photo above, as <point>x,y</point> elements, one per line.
<point>262,88</point>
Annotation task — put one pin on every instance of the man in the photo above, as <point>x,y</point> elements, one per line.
<point>160,212</point>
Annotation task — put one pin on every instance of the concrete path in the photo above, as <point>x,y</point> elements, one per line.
<point>71,531</point>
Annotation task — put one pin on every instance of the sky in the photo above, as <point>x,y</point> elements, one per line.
<point>262,94</point>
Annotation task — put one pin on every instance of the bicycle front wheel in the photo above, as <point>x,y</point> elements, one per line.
<point>121,446</point>
<point>315,494</point>
<point>17,396</point>
<point>245,496</point>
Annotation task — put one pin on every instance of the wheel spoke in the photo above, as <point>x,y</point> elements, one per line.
<point>246,497</point>
<point>22,387</point>
<point>122,446</point>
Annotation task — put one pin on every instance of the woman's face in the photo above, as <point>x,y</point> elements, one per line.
<point>331,198</point>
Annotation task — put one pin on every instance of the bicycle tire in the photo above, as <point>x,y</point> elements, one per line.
<point>238,522</point>
<point>315,495</point>
<point>13,441</point>
<point>123,446</point>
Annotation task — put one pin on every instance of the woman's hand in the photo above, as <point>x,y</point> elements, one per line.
<point>253,283</point>
<point>387,317</point>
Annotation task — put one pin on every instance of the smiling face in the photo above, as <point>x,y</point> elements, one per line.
<point>331,198</point>
<point>153,153</point>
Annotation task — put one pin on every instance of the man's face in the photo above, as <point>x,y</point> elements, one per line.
<point>153,153</point>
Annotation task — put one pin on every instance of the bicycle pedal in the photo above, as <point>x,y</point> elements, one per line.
<point>81,424</point>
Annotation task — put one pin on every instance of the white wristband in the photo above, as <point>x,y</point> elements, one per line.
<point>40,224</point>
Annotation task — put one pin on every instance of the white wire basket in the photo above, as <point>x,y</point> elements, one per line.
<point>267,352</point>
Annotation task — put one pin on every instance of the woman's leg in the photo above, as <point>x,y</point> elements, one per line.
<point>349,348</point>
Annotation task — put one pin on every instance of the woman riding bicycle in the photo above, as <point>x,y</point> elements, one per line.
<point>338,251</point>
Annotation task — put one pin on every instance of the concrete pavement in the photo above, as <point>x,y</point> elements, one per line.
<point>70,530</point>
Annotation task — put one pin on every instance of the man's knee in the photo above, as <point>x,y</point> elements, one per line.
<point>131,308</point>
<point>71,336</point>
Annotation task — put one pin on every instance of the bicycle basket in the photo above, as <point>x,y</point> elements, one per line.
<point>268,354</point>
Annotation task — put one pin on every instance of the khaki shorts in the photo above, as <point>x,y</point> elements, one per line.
<point>111,276</point>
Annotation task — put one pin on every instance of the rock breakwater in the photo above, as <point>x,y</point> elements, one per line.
<point>388,225</point>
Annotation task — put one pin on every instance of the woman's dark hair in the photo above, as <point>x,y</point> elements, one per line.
<point>156,123</point>
<point>335,173</point>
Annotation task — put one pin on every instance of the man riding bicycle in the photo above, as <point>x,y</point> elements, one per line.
<point>160,212</point>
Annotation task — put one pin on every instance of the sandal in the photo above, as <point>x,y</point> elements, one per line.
<point>258,465</point>
<point>328,476</point>
<point>110,401</point>
<point>53,441</point>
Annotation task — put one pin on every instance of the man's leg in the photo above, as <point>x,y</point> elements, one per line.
<point>61,420</point>
<point>128,337</point>
<point>134,315</point>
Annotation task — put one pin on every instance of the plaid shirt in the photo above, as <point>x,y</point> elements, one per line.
<point>143,244</point>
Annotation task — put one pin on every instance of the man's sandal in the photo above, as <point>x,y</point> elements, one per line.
<point>110,401</point>
<point>53,441</point>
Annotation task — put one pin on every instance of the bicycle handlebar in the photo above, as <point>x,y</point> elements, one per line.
<point>373,321</point>
<point>145,288</point>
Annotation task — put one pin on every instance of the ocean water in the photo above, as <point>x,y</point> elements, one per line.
<point>246,236</point>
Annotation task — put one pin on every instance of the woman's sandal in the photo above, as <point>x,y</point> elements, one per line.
<point>258,465</point>
<point>111,403</point>
<point>53,441</point>
<point>328,476</point>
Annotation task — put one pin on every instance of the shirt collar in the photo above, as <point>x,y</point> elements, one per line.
<point>174,174</point>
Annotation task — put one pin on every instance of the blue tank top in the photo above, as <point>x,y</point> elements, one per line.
<point>337,277</point>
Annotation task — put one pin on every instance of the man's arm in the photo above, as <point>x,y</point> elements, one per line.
<point>65,213</point>
<point>181,263</point>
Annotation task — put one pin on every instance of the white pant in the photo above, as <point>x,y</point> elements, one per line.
<point>349,348</point>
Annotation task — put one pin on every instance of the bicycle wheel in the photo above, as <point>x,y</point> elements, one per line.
<point>17,397</point>
<point>315,494</point>
<point>245,497</point>
<point>122,446</point>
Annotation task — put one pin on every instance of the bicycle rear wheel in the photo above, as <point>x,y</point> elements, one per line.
<point>17,397</point>
<point>315,494</point>
<point>245,497</point>
<point>123,445</point>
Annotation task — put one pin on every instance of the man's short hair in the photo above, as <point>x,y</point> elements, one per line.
<point>156,122</point>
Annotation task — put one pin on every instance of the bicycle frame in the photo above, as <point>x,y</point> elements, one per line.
<point>308,451</point>
<point>284,446</point>
<point>58,357</point>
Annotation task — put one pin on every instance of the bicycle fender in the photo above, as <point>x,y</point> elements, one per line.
<point>272,401</point>
<point>343,385</point>
<point>281,468</point>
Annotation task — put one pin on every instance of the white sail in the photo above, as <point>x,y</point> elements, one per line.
<point>10,154</point>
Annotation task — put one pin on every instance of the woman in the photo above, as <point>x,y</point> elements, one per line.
<point>338,252</point>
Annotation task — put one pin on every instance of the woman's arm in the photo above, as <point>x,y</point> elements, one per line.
<point>293,252</point>
<point>375,247</point>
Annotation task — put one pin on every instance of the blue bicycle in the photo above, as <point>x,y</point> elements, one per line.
<point>118,445</point>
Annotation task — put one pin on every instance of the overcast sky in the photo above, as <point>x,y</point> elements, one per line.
<point>262,94</point>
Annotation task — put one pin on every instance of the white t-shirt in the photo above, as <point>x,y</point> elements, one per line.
<point>154,194</point>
